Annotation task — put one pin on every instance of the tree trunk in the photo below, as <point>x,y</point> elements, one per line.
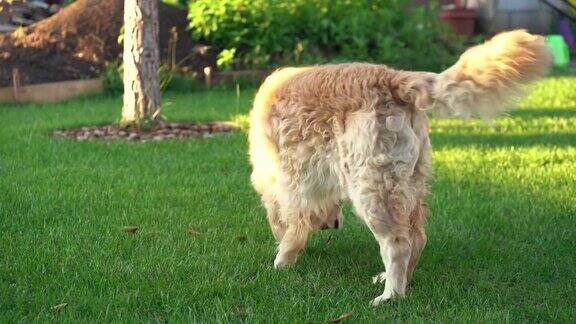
<point>141,61</point>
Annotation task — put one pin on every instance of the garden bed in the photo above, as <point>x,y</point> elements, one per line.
<point>159,132</point>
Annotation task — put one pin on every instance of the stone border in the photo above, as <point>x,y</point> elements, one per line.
<point>162,131</point>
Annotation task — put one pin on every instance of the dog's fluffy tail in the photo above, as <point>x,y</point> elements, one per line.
<point>488,77</point>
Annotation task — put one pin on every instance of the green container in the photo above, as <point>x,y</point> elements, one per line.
<point>559,50</point>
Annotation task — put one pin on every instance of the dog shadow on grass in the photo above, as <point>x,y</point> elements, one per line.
<point>503,140</point>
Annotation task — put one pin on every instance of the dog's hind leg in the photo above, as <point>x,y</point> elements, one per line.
<point>293,241</point>
<point>277,226</point>
<point>385,211</point>
<point>418,240</point>
<point>420,212</point>
<point>395,250</point>
<point>417,237</point>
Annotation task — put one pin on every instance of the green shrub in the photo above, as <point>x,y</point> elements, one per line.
<point>265,33</point>
<point>113,82</point>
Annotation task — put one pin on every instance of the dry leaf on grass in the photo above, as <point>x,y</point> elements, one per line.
<point>59,307</point>
<point>193,232</point>
<point>341,317</point>
<point>130,229</point>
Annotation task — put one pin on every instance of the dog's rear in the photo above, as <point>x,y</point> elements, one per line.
<point>359,131</point>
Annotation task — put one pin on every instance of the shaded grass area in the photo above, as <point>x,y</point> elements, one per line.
<point>501,233</point>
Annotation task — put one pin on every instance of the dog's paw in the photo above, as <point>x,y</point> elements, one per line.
<point>381,299</point>
<point>283,261</point>
<point>379,278</point>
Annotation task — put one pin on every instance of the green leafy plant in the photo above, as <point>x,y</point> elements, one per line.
<point>265,33</point>
<point>226,58</point>
<point>113,82</point>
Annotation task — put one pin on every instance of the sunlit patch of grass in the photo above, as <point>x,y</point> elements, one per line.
<point>553,92</point>
<point>542,170</point>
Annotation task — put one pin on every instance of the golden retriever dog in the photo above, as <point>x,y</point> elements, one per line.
<point>358,132</point>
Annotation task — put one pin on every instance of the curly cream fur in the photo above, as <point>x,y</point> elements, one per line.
<point>326,134</point>
<point>488,77</point>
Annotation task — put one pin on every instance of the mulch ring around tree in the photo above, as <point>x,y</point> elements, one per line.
<point>159,132</point>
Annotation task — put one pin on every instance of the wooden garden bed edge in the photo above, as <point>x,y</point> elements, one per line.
<point>50,92</point>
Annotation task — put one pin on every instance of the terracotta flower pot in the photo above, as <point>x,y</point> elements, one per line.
<point>460,19</point>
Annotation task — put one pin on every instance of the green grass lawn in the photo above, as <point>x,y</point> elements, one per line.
<point>502,234</point>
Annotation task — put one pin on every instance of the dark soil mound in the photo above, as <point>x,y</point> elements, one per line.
<point>76,42</point>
